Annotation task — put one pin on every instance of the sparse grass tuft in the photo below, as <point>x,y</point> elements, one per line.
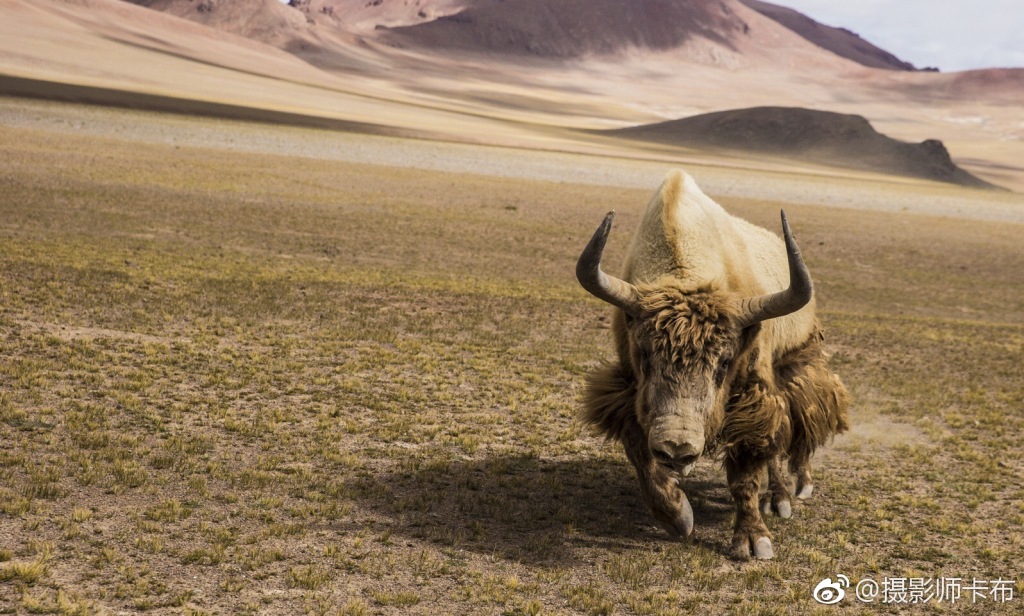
<point>395,599</point>
<point>355,607</point>
<point>635,570</point>
<point>81,514</point>
<point>168,511</point>
<point>309,577</point>
<point>27,572</point>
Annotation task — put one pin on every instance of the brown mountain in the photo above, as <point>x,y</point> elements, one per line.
<point>835,139</point>
<point>573,28</point>
<point>839,41</point>
<point>544,28</point>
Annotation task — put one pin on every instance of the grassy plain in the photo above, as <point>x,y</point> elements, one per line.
<point>241,383</point>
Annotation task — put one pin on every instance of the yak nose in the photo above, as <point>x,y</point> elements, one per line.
<point>676,454</point>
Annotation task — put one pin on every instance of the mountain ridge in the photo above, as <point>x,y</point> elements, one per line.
<point>840,41</point>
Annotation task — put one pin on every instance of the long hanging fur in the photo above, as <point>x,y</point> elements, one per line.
<point>817,400</point>
<point>805,407</point>
<point>608,400</point>
<point>757,424</point>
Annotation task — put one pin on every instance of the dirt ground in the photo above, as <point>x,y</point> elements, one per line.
<point>255,370</point>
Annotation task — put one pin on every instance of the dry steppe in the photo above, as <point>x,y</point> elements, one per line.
<point>274,370</point>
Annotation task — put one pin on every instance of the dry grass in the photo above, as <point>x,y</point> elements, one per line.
<point>245,384</point>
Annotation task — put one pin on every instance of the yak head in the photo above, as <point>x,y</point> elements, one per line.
<point>683,345</point>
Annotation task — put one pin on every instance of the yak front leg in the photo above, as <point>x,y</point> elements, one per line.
<point>660,490</point>
<point>778,499</point>
<point>750,535</point>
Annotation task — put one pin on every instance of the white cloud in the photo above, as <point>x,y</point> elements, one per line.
<point>951,34</point>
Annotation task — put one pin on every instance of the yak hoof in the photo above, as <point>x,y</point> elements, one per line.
<point>782,508</point>
<point>682,526</point>
<point>744,546</point>
<point>804,492</point>
<point>763,549</point>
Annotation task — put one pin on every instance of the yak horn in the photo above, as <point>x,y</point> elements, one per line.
<point>757,309</point>
<point>616,292</point>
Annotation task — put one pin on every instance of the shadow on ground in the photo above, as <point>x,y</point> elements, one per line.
<point>533,510</point>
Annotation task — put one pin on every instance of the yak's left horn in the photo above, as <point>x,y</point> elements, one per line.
<point>616,292</point>
<point>757,309</point>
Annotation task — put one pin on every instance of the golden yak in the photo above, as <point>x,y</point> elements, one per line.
<point>719,353</point>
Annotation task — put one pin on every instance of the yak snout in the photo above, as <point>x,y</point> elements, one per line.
<point>678,452</point>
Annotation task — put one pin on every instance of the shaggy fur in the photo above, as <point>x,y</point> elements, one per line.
<point>608,401</point>
<point>816,399</point>
<point>787,413</point>
<point>685,329</point>
<point>773,398</point>
<point>797,410</point>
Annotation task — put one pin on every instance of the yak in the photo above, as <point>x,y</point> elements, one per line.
<point>720,353</point>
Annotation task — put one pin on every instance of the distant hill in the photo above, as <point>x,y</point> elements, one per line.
<point>839,41</point>
<point>805,134</point>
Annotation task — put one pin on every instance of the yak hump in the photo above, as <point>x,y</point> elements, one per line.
<point>683,234</point>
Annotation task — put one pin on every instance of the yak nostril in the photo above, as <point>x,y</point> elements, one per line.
<point>673,456</point>
<point>662,457</point>
<point>687,460</point>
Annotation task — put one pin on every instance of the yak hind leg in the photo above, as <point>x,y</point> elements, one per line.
<point>660,490</point>
<point>750,535</point>
<point>804,484</point>
<point>778,499</point>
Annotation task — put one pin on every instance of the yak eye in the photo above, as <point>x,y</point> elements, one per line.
<point>722,370</point>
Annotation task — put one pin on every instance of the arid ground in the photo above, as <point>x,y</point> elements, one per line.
<point>285,371</point>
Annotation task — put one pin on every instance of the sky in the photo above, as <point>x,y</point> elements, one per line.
<point>953,35</point>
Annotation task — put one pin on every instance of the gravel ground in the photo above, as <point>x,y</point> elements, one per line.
<point>878,194</point>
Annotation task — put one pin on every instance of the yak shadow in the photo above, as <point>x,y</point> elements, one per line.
<point>534,510</point>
